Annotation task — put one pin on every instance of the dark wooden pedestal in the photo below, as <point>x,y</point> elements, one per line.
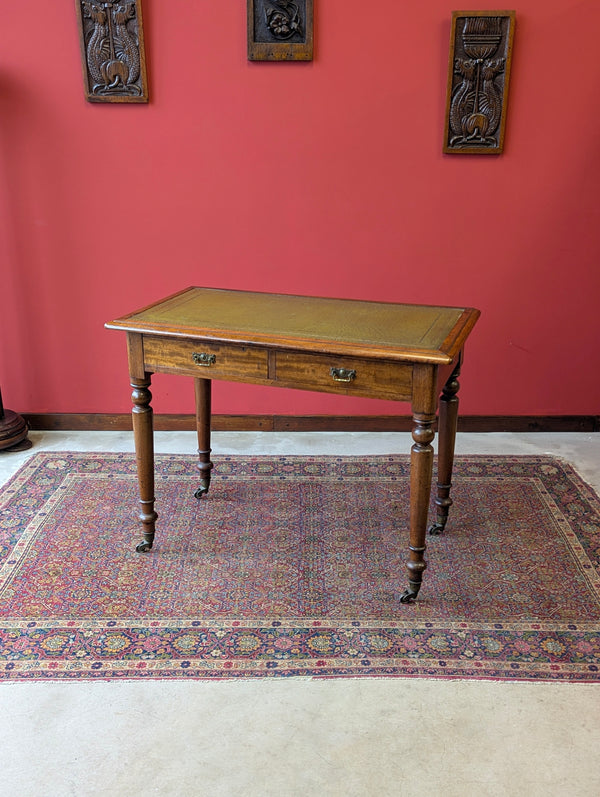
<point>13,430</point>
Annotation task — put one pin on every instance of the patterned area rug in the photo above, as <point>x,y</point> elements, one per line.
<point>293,566</point>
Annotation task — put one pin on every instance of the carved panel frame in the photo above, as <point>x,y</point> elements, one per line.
<point>280,30</point>
<point>113,58</point>
<point>481,44</point>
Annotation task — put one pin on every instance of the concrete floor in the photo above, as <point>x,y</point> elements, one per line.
<point>338,738</point>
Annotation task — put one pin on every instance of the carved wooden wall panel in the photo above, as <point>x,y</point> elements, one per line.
<point>478,75</point>
<point>280,30</point>
<point>112,50</point>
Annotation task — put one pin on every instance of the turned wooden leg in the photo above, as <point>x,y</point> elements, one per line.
<point>144,452</point>
<point>421,466</point>
<point>203,411</point>
<point>448,418</point>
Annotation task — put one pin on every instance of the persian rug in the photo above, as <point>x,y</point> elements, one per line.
<point>292,566</point>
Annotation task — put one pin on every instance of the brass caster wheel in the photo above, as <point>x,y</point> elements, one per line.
<point>143,546</point>
<point>437,528</point>
<point>410,594</point>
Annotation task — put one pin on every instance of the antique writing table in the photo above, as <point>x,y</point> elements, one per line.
<point>354,348</point>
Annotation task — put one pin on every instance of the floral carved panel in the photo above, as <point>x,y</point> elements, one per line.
<point>280,30</point>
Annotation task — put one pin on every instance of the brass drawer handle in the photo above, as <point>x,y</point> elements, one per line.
<point>343,374</point>
<point>204,359</point>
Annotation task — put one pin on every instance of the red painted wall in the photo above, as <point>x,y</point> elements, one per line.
<point>322,178</point>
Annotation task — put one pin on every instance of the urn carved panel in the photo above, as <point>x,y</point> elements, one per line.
<point>478,76</point>
<point>112,50</point>
<point>280,30</point>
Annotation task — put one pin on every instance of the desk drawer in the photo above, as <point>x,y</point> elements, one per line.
<point>204,359</point>
<point>348,375</point>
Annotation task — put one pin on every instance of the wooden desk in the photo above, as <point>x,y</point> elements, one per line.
<point>354,348</point>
